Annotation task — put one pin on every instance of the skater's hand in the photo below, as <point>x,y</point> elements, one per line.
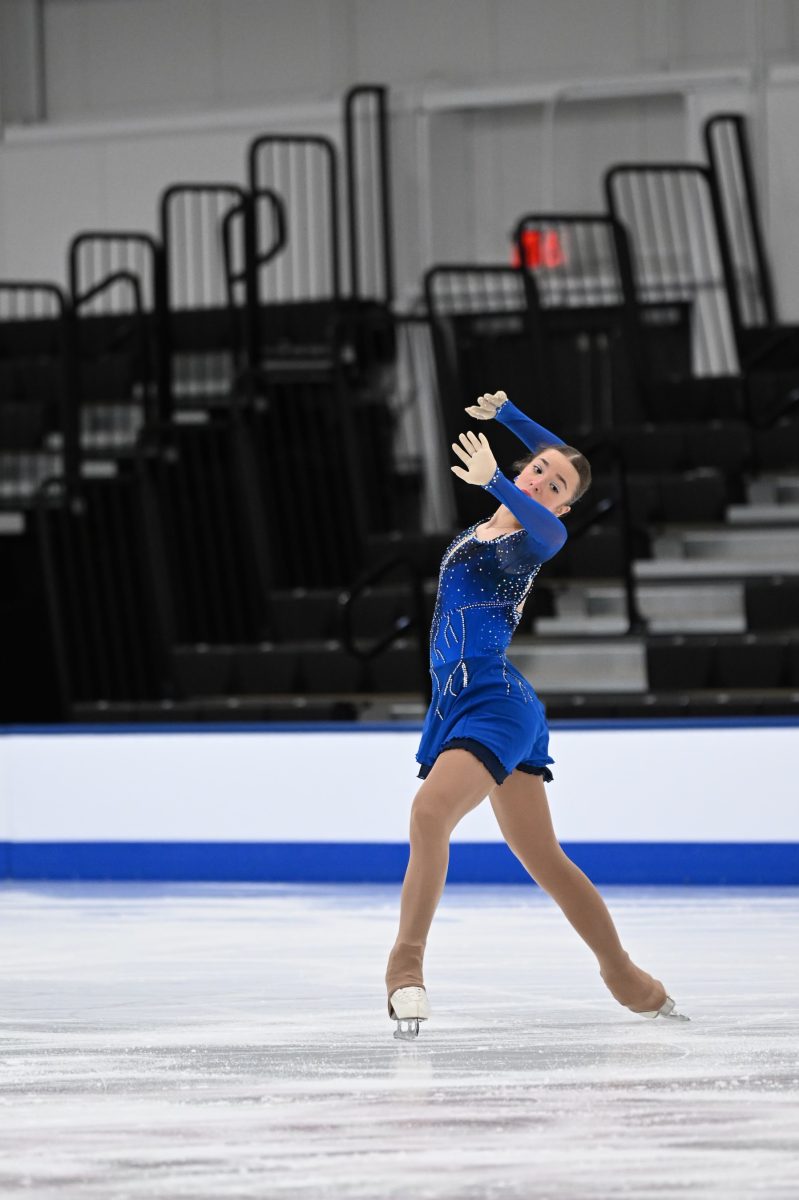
<point>475,452</point>
<point>487,406</point>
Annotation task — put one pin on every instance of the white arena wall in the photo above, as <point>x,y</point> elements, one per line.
<point>691,802</point>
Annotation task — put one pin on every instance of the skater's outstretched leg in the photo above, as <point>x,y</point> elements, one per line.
<point>457,783</point>
<point>522,811</point>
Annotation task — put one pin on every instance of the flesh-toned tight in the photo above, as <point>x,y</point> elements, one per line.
<point>457,783</point>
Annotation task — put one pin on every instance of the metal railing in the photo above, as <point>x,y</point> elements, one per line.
<point>303,170</point>
<point>369,207</point>
<point>727,147</point>
<point>678,257</point>
<point>580,263</point>
<point>96,256</point>
<point>414,623</point>
<point>38,355</point>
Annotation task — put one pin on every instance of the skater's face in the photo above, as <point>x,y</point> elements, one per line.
<point>551,480</point>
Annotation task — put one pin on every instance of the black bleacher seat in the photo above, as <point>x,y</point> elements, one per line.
<point>328,668</point>
<point>399,669</point>
<point>769,391</point>
<point>697,495</point>
<point>653,448</point>
<point>713,397</point>
<point>597,554</point>
<point>682,496</point>
<point>423,550</point>
<point>264,670</point>
<point>23,424</point>
<point>678,663</point>
<point>234,670</point>
<point>377,611</point>
<point>201,670</point>
<point>792,654</point>
<point>751,663</point>
<point>772,603</point>
<point>726,445</point>
<point>300,613</point>
<point>777,449</point>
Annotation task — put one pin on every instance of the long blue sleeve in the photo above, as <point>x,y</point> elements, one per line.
<point>546,533</point>
<point>528,431</point>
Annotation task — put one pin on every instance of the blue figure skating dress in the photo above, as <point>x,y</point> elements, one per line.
<point>480,702</point>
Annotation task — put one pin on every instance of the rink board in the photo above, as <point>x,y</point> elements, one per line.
<point>706,802</point>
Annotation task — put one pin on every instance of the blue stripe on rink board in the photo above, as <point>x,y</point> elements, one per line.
<point>712,863</point>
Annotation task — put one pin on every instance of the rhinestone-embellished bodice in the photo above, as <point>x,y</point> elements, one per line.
<point>481,590</point>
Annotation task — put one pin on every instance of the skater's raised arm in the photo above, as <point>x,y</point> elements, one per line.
<point>545,532</point>
<point>497,405</point>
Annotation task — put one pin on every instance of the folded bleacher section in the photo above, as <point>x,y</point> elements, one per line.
<point>209,510</point>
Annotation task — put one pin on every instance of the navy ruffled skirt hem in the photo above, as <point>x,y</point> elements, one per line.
<point>489,761</point>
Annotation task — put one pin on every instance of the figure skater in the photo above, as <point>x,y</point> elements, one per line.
<point>485,733</point>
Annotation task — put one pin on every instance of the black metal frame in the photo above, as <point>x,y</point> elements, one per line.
<point>150,326</point>
<point>416,624</point>
<point>585,308</point>
<point>68,374</point>
<point>244,338</point>
<point>735,125</point>
<point>329,156</point>
<point>254,258</point>
<point>525,312</point>
<point>383,254</point>
<point>688,287</point>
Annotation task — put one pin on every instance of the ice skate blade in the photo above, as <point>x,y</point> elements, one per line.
<point>666,1010</point>
<point>407,1029</point>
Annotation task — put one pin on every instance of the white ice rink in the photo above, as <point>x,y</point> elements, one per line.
<point>220,1041</point>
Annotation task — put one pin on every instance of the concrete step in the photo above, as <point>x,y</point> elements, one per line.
<point>599,610</point>
<point>602,666</point>
<point>722,544</point>
<point>685,569</point>
<point>779,488</point>
<point>606,626</point>
<point>655,602</point>
<point>763,514</point>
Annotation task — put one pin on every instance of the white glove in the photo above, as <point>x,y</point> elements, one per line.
<point>475,452</point>
<point>487,406</point>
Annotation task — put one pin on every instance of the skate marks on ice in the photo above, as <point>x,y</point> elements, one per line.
<point>213,1042</point>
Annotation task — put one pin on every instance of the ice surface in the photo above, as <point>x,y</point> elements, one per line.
<point>216,1041</point>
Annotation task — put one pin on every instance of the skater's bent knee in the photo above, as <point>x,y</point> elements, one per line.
<point>429,817</point>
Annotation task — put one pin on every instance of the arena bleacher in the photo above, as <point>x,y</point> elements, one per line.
<point>211,508</point>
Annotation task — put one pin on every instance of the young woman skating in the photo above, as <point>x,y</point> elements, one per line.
<point>485,733</point>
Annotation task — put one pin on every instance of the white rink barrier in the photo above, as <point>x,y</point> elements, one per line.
<point>644,802</point>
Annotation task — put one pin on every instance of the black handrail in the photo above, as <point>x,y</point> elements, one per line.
<point>415,623</point>
<point>154,248</point>
<point>383,212</point>
<point>69,380</point>
<point>124,276</point>
<point>613,181</point>
<point>116,277</point>
<point>243,204</point>
<point>328,149</point>
<point>257,258</point>
<point>738,124</point>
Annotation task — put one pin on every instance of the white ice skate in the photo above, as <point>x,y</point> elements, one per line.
<point>408,1006</point>
<point>666,1010</point>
